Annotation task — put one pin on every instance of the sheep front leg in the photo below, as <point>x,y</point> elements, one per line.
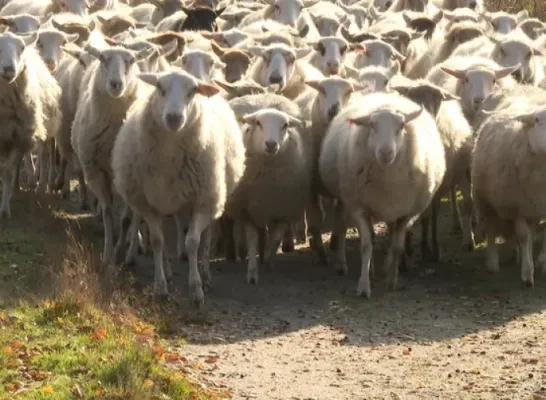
<point>340,232</point>
<point>100,185</point>
<point>8,178</point>
<point>42,154</point>
<point>180,245</point>
<point>205,248</point>
<point>199,222</point>
<point>273,242</point>
<point>525,240</point>
<point>251,234</point>
<point>125,225</point>
<point>366,250</point>
<point>288,239</point>
<point>434,229</point>
<point>155,224</point>
<point>62,182</point>
<point>132,252</point>
<point>315,217</point>
<point>468,235</point>
<point>492,251</point>
<point>397,235</point>
<point>30,170</point>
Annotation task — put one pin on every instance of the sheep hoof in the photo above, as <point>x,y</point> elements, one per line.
<point>341,269</point>
<point>364,290</point>
<point>197,296</point>
<point>528,283</point>
<point>5,214</point>
<point>252,278</point>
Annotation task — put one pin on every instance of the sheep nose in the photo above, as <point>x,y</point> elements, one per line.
<point>9,71</point>
<point>115,85</point>
<point>333,66</point>
<point>275,79</point>
<point>387,154</point>
<point>271,146</point>
<point>332,112</point>
<point>173,120</point>
<point>51,65</point>
<point>388,4</point>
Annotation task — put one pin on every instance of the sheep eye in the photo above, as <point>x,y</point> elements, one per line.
<point>536,120</point>
<point>465,80</point>
<point>258,124</point>
<point>343,50</point>
<point>160,89</point>
<point>284,127</point>
<point>494,81</point>
<point>386,82</point>
<point>530,54</point>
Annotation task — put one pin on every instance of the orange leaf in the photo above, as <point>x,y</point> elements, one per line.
<point>172,357</point>
<point>196,366</point>
<point>16,344</point>
<point>158,351</point>
<point>406,352</point>
<point>148,383</point>
<point>99,392</point>
<point>8,351</point>
<point>211,360</point>
<point>98,335</point>
<point>12,387</point>
<point>48,389</point>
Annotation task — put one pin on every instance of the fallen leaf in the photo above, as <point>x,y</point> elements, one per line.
<point>172,357</point>
<point>475,371</point>
<point>12,387</point>
<point>148,383</point>
<point>211,360</point>
<point>406,352</point>
<point>196,366</point>
<point>99,392</point>
<point>48,389</point>
<point>8,351</point>
<point>15,344</point>
<point>98,335</point>
<point>158,351</point>
<point>532,361</point>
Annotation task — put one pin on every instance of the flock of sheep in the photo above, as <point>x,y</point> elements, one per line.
<point>247,121</point>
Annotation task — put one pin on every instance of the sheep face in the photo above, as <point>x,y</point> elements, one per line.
<point>512,52</point>
<point>173,102</point>
<point>462,33</point>
<point>79,7</point>
<point>333,95</point>
<point>386,132</point>
<point>268,130</point>
<point>49,46</point>
<point>475,84</point>
<point>278,63</point>
<point>377,52</point>
<point>332,52</point>
<point>427,95</point>
<point>288,11</point>
<point>501,22</point>
<point>531,27</point>
<point>327,26</point>
<point>201,19</point>
<point>237,63</point>
<point>21,24</point>
<point>460,15</point>
<point>118,67</point>
<point>535,123</point>
<point>12,49</point>
<point>383,5</point>
<point>200,64</point>
<point>374,80</point>
<point>416,5</point>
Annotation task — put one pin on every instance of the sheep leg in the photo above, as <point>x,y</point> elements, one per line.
<point>468,234</point>
<point>30,170</point>
<point>455,213</point>
<point>252,238</point>
<point>227,226</point>
<point>145,243</point>
<point>542,255</point>
<point>42,153</point>
<point>52,164</point>
<point>366,250</point>
<point>132,252</point>
<point>315,217</point>
<point>16,187</point>
<point>84,196</point>
<point>155,224</point>
<point>288,239</point>
<point>8,178</point>
<point>240,240</point>
<point>273,242</point>
<point>262,239</point>
<point>525,240</point>
<point>340,230</point>
<point>492,251</point>
<point>301,229</point>
<point>62,183</point>
<point>180,245</point>
<point>100,185</point>
<point>426,252</point>
<point>199,222</point>
<point>397,234</point>
<point>125,226</point>
<point>205,247</point>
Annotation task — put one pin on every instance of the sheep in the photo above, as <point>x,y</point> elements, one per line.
<point>201,18</point>
<point>243,87</point>
<point>531,27</point>
<point>22,23</point>
<point>276,142</point>
<point>384,158</point>
<point>201,64</point>
<point>375,78</point>
<point>157,61</point>
<point>476,5</point>
<point>28,94</point>
<point>357,12</point>
<point>412,5</point>
<point>180,150</point>
<point>513,48</point>
<point>113,24</point>
<point>457,138</point>
<point>443,46</point>
<point>284,11</point>
<point>277,64</point>
<point>49,45</point>
<point>329,55</point>
<point>503,22</point>
<point>227,38</point>
<point>472,79</point>
<point>41,8</point>
<point>509,200</point>
<point>423,23</point>
<point>164,9</point>
<point>72,27</point>
<point>374,52</point>
<point>236,62</point>
<point>112,88</point>
<point>164,38</point>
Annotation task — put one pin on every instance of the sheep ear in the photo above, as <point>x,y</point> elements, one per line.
<point>151,79</point>
<point>219,11</point>
<point>169,48</point>
<point>207,90</point>
<point>249,118</point>
<point>257,51</point>
<point>457,73</point>
<point>403,90</point>
<point>145,53</point>
<point>412,115</point>
<point>70,38</point>
<point>396,54</point>
<point>186,10</point>
<point>303,31</point>
<point>407,18</point>
<point>448,15</point>
<point>418,35</point>
<point>360,121</point>
<point>219,64</point>
<point>309,3</point>
<point>537,52</point>
<point>314,84</point>
<point>44,20</point>
<point>300,53</point>
<point>503,72</point>
<point>529,119</point>
<point>30,39</point>
<point>522,15</point>
<point>219,51</point>
<point>358,47</point>
<point>228,87</point>
<point>74,52</point>
<point>438,16</point>
<point>446,96</point>
<point>294,122</point>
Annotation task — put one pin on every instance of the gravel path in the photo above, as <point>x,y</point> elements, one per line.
<point>451,332</point>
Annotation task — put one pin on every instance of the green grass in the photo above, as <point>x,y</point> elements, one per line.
<point>66,331</point>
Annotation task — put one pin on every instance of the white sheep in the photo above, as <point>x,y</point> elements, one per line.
<point>510,200</point>
<point>22,23</point>
<point>203,65</point>
<point>41,8</point>
<point>373,52</point>
<point>383,157</point>
<point>329,55</point>
<point>503,22</point>
<point>284,11</point>
<point>24,88</point>
<point>112,88</point>
<point>180,149</point>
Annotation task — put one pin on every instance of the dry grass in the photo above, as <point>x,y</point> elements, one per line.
<point>537,8</point>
